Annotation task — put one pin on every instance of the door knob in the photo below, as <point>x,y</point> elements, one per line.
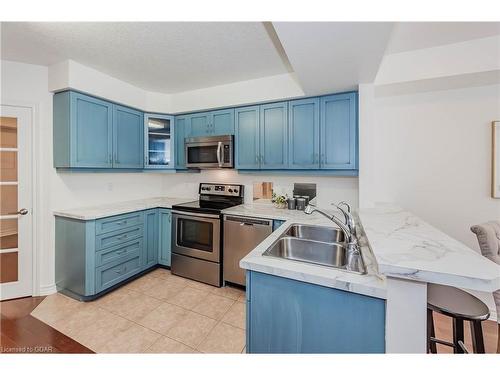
<point>22,211</point>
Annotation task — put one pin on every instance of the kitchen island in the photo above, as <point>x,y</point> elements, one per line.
<point>402,254</point>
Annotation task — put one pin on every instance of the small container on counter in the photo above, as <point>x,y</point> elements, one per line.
<point>301,203</point>
<point>291,203</point>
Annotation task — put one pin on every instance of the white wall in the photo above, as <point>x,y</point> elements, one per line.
<point>432,155</point>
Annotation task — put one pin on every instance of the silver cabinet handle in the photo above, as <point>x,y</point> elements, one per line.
<point>22,211</point>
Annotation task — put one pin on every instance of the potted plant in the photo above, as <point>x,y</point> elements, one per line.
<point>279,200</point>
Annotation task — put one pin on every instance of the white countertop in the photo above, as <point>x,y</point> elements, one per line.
<point>370,284</point>
<point>400,245</point>
<point>409,248</point>
<point>111,209</point>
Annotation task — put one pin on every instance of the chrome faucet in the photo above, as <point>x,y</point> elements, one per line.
<point>354,259</point>
<point>349,219</point>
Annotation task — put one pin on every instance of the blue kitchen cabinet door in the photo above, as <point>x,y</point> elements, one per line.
<point>303,134</point>
<point>289,316</point>
<point>91,132</point>
<point>222,122</point>
<point>338,131</point>
<point>199,125</point>
<point>180,124</point>
<point>247,142</point>
<point>151,238</point>
<point>274,136</point>
<point>165,236</point>
<point>128,138</point>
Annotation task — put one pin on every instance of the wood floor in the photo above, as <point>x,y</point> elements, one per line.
<point>22,333</point>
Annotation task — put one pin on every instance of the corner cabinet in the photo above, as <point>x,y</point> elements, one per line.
<point>94,256</point>
<point>290,316</point>
<point>94,133</point>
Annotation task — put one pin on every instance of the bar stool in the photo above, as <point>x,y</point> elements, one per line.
<point>460,306</point>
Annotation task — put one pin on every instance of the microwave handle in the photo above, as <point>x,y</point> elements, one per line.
<point>219,149</point>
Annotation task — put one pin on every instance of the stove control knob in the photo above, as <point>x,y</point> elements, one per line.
<point>230,190</point>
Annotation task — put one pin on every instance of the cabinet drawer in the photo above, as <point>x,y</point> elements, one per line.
<point>118,237</point>
<point>119,252</point>
<point>109,275</point>
<point>110,224</point>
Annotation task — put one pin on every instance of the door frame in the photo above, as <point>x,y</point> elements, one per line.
<point>36,217</point>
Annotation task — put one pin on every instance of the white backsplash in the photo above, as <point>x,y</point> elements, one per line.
<point>329,189</point>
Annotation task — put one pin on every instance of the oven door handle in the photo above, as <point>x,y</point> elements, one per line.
<point>187,214</point>
<point>219,149</point>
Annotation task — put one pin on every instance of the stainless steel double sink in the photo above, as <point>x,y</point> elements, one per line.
<point>312,244</point>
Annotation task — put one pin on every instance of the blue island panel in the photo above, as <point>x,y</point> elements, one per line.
<point>289,316</point>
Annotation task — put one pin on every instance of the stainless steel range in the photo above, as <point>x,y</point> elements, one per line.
<point>197,232</point>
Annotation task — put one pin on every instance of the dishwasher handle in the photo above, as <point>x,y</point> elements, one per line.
<point>250,221</point>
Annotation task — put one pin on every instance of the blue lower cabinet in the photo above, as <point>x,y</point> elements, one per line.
<point>111,274</point>
<point>93,256</point>
<point>150,238</point>
<point>277,224</point>
<point>165,236</point>
<point>289,316</point>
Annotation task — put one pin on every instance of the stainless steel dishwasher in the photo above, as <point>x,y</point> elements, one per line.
<point>241,235</point>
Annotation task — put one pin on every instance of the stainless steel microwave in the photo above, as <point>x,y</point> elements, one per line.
<point>209,152</point>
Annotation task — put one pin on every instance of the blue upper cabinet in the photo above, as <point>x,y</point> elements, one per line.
<point>338,132</point>
<point>94,133</point>
<point>199,125</point>
<point>303,134</point>
<point>274,136</point>
<point>128,138</point>
<point>159,140</point>
<point>211,123</point>
<point>83,131</point>
<point>222,122</point>
<point>247,136</point>
<point>180,124</point>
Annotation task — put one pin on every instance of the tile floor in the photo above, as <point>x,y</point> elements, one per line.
<point>157,313</point>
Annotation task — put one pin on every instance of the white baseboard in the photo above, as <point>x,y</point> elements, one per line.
<point>45,290</point>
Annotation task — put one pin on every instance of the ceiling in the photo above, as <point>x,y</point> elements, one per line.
<point>173,57</point>
<point>334,56</point>
<point>163,57</point>
<point>409,36</point>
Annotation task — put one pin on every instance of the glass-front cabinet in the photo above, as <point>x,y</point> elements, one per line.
<point>159,140</point>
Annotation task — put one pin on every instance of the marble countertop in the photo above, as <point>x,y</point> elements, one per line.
<point>111,209</point>
<point>407,247</point>
<point>371,284</point>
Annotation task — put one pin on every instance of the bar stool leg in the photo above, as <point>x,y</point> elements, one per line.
<point>458,335</point>
<point>431,345</point>
<point>477,336</point>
